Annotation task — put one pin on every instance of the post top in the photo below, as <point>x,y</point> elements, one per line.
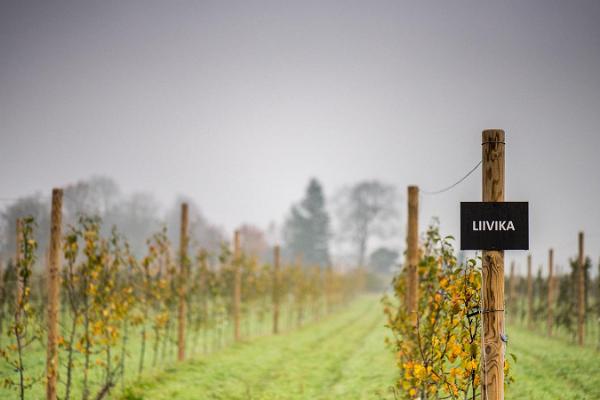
<point>492,135</point>
<point>413,188</point>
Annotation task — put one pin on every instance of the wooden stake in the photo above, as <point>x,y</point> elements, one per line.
<point>53,293</point>
<point>412,253</point>
<point>237,285</point>
<point>581,292</point>
<point>183,262</point>
<point>529,294</point>
<point>550,321</point>
<point>493,272</point>
<point>2,291</point>
<point>276,288</point>
<point>18,255</point>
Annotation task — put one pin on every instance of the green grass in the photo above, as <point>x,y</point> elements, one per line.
<point>343,357</point>
<point>197,344</point>
<point>340,357</point>
<point>552,368</point>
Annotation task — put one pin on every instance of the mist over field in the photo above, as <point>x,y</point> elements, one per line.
<point>192,189</point>
<point>224,102</point>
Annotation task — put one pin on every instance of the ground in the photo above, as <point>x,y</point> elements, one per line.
<point>344,357</point>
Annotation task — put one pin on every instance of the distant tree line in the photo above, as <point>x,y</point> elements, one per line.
<point>363,214</point>
<point>138,215</point>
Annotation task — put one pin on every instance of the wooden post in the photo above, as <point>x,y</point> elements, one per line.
<point>493,272</point>
<point>412,253</point>
<point>550,321</point>
<point>237,285</point>
<point>18,255</point>
<point>53,293</point>
<point>276,288</point>
<point>2,288</point>
<point>580,292</point>
<point>529,294</point>
<point>183,262</point>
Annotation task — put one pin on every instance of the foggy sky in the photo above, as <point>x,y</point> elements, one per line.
<point>238,104</point>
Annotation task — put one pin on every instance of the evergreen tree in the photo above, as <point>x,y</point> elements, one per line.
<point>306,231</point>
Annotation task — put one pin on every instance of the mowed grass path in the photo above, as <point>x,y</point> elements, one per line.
<point>344,357</point>
<point>341,357</point>
<point>551,368</point>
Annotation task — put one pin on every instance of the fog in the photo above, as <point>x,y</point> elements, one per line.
<point>236,105</point>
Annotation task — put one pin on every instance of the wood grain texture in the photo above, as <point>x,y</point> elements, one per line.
<point>18,248</point>
<point>237,285</point>
<point>276,287</point>
<point>550,313</point>
<point>493,272</point>
<point>580,293</point>
<point>53,282</point>
<point>183,248</point>
<point>412,253</point>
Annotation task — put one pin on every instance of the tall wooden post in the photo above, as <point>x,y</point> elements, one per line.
<point>580,292</point>
<point>550,321</point>
<point>493,272</point>
<point>276,288</point>
<point>53,293</point>
<point>237,285</point>
<point>529,293</point>
<point>1,291</point>
<point>412,253</point>
<point>18,255</point>
<point>183,264</point>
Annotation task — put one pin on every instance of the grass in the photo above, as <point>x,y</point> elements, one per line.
<point>552,368</point>
<point>197,344</point>
<point>343,357</point>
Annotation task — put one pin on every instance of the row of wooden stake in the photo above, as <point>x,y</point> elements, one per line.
<point>53,283</point>
<point>551,291</point>
<point>493,182</point>
<point>493,267</point>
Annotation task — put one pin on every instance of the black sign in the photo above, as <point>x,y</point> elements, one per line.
<point>494,226</point>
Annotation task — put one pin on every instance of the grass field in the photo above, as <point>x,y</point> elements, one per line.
<point>343,357</point>
<point>549,368</point>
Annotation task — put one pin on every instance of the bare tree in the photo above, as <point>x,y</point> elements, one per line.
<point>204,234</point>
<point>366,210</point>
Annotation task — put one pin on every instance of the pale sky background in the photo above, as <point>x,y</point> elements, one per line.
<point>238,104</point>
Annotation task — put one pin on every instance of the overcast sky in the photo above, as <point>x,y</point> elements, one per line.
<point>238,104</point>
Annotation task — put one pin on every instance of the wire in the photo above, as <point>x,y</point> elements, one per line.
<point>430,193</point>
